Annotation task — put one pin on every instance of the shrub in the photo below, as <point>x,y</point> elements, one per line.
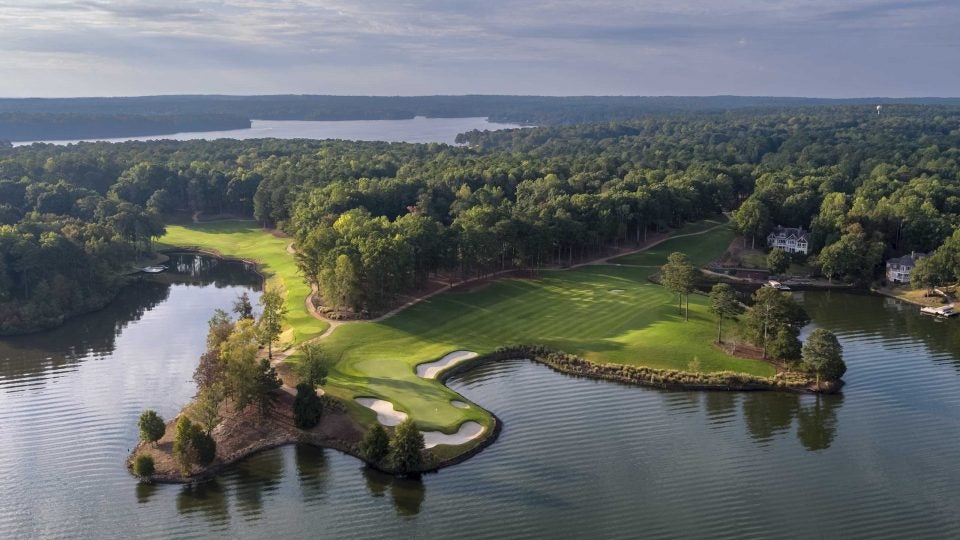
<point>143,466</point>
<point>191,446</point>
<point>307,407</point>
<point>152,426</point>
<point>406,448</point>
<point>375,444</point>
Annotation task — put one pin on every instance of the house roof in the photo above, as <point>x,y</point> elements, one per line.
<point>797,233</point>
<point>909,260</point>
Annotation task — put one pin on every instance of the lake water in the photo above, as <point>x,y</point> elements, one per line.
<point>415,130</point>
<point>577,458</point>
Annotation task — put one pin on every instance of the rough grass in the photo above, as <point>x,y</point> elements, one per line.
<point>245,240</point>
<point>569,310</point>
<point>753,258</point>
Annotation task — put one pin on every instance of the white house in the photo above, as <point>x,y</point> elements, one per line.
<point>791,240</point>
<point>898,269</point>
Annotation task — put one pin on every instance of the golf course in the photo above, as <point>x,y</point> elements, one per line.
<point>606,313</point>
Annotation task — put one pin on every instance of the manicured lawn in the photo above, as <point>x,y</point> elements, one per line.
<point>244,239</point>
<point>702,225</point>
<point>573,311</point>
<point>701,249</point>
<point>605,313</point>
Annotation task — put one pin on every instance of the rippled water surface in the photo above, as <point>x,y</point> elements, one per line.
<point>577,458</point>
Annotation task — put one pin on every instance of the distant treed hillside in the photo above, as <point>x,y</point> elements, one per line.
<point>32,126</point>
<point>120,116</point>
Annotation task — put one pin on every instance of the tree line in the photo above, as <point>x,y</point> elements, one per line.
<point>376,220</point>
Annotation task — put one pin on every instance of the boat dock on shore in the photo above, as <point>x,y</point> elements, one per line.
<point>943,311</point>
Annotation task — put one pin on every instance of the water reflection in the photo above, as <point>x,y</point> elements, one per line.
<point>254,478</point>
<point>208,499</point>
<point>817,422</point>
<point>721,406</point>
<point>768,414</point>
<point>93,334</point>
<point>407,493</point>
<point>312,471</point>
<point>145,492</point>
<point>198,269</point>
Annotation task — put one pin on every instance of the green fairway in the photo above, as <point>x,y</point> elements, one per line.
<point>245,240</point>
<point>605,313</point>
<point>701,248</point>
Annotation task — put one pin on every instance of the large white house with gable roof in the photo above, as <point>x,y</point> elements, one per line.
<point>789,239</point>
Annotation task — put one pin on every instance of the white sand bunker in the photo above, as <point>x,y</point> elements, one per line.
<point>430,370</point>
<point>468,431</point>
<point>459,404</point>
<point>617,291</point>
<point>386,414</point>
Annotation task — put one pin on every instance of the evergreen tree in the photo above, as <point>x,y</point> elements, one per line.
<point>151,426</point>
<point>823,356</point>
<point>375,444</point>
<point>242,307</point>
<point>271,319</point>
<point>143,466</point>
<point>680,276</point>
<point>406,448</point>
<point>307,407</point>
<point>724,304</point>
<point>312,368</point>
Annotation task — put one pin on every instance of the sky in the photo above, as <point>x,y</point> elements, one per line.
<point>815,48</point>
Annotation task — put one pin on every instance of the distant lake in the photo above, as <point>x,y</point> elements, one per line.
<point>415,130</point>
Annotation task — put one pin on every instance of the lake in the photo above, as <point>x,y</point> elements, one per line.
<point>415,130</point>
<point>577,457</point>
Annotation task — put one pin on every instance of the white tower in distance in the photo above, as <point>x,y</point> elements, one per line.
<point>878,109</point>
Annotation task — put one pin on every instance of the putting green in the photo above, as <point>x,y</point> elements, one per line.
<point>569,310</point>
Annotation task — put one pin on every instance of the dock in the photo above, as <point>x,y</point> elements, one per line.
<point>943,311</point>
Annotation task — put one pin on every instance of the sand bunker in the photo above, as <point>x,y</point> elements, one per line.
<point>617,291</point>
<point>386,414</point>
<point>430,370</point>
<point>458,404</point>
<point>468,431</point>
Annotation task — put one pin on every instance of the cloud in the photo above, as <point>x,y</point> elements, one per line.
<point>101,47</point>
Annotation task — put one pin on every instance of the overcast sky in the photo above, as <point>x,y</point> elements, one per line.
<point>829,48</point>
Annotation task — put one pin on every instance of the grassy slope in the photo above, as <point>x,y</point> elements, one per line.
<point>571,310</point>
<point>243,239</point>
<point>701,249</point>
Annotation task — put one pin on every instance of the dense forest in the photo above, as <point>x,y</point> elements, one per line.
<point>373,220</point>
<point>74,118</point>
<point>34,126</point>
